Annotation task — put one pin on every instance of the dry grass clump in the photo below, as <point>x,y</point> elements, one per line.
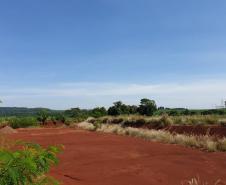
<point>222,122</point>
<point>196,120</point>
<point>137,121</point>
<point>198,181</point>
<point>85,125</point>
<point>163,121</point>
<point>6,143</point>
<point>207,143</point>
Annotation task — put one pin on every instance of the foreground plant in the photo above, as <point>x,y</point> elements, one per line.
<point>28,165</point>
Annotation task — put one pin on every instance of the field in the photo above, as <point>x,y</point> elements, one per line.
<point>94,158</point>
<point>124,149</point>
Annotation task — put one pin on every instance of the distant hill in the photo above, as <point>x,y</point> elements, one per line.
<point>23,111</point>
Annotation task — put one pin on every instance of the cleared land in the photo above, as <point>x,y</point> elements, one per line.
<point>92,158</point>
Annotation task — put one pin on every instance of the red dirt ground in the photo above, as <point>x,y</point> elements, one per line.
<point>104,159</point>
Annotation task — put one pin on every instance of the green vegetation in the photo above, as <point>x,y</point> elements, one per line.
<point>23,122</point>
<point>19,122</point>
<point>147,114</point>
<point>147,107</point>
<point>82,114</point>
<point>43,116</point>
<point>27,165</point>
<point>22,111</point>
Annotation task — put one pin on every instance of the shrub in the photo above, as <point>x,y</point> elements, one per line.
<point>105,120</point>
<point>116,120</point>
<point>69,121</point>
<point>28,165</point>
<point>198,181</point>
<point>3,122</point>
<point>53,119</point>
<point>97,124</point>
<point>140,122</point>
<point>84,125</point>
<point>60,117</point>
<point>222,122</point>
<point>165,121</point>
<point>91,120</point>
<point>159,122</point>
<point>98,112</point>
<point>23,122</point>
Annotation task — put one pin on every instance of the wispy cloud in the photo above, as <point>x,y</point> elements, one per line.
<point>199,94</point>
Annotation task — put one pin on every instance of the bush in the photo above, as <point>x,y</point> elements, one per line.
<point>105,120</point>
<point>222,122</point>
<point>91,120</point>
<point>97,124</point>
<point>28,165</point>
<point>23,122</point>
<point>165,121</point>
<point>116,120</point>
<point>140,122</point>
<point>98,112</point>
<point>60,117</point>
<point>3,122</point>
<point>159,122</point>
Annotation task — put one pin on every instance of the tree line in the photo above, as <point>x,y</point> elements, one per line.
<point>146,107</point>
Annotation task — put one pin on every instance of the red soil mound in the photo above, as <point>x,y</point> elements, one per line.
<point>7,130</point>
<point>104,159</point>
<point>199,130</point>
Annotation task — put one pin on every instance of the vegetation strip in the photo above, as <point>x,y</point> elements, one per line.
<point>205,142</point>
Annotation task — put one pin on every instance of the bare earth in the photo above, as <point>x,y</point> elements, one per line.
<point>93,158</point>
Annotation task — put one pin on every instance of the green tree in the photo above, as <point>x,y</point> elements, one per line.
<point>98,112</point>
<point>133,109</point>
<point>115,109</point>
<point>43,116</point>
<point>147,107</point>
<point>119,108</point>
<point>60,117</point>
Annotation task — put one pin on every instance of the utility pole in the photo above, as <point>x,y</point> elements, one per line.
<point>0,103</point>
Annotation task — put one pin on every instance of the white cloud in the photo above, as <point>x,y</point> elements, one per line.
<point>199,94</point>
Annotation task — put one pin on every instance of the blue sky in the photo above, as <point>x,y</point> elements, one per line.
<point>62,54</point>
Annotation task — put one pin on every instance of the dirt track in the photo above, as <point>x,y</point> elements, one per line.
<point>103,159</point>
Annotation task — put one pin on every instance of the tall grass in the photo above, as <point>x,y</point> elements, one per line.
<point>165,120</point>
<point>206,142</point>
<point>3,121</point>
